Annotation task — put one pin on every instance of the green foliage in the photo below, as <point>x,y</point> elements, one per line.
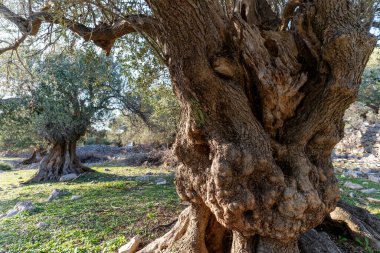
<point>148,80</point>
<point>94,136</point>
<point>17,131</point>
<point>71,92</point>
<point>68,92</point>
<point>5,166</point>
<point>369,92</point>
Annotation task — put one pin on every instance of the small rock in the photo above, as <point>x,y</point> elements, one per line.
<point>143,178</point>
<point>369,191</point>
<point>374,178</point>
<point>149,173</point>
<point>353,186</point>
<point>56,194</point>
<point>76,197</point>
<point>353,174</point>
<point>131,246</point>
<point>18,208</point>
<point>373,200</point>
<point>371,158</point>
<point>106,169</point>
<point>68,177</point>
<point>41,225</point>
<point>185,203</point>
<point>161,182</point>
<point>351,194</point>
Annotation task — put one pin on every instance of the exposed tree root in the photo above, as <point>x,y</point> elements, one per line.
<point>317,242</point>
<point>198,231</point>
<point>355,222</point>
<point>189,234</point>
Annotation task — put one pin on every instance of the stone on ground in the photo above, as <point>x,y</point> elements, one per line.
<point>353,186</point>
<point>161,181</point>
<point>18,208</point>
<point>56,194</point>
<point>76,197</point>
<point>68,177</point>
<point>41,224</point>
<point>373,200</point>
<point>374,178</point>
<point>131,246</point>
<point>369,191</point>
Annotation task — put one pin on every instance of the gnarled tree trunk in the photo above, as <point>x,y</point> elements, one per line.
<point>60,160</point>
<point>262,111</point>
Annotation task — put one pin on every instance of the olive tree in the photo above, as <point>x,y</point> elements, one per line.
<point>262,95</point>
<point>69,92</point>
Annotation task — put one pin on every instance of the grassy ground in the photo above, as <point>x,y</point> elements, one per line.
<point>358,198</point>
<point>114,207</point>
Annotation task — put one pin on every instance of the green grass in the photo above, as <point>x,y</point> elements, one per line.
<point>2,158</point>
<point>360,199</point>
<point>113,208</point>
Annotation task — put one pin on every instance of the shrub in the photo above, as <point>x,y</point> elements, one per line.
<point>5,166</point>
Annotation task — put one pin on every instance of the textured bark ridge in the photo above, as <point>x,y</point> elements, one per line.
<point>262,110</point>
<point>60,160</point>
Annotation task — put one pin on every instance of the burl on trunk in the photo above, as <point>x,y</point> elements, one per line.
<point>262,105</point>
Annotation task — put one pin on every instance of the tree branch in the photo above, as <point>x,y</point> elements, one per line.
<point>103,35</point>
<point>19,21</point>
<point>15,45</point>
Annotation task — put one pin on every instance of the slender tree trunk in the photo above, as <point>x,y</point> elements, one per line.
<point>261,113</point>
<point>60,160</point>
<point>33,158</point>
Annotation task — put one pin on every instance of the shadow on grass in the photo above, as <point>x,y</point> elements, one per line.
<point>105,177</point>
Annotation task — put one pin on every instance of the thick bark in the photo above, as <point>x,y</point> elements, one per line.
<point>261,112</point>
<point>60,160</point>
